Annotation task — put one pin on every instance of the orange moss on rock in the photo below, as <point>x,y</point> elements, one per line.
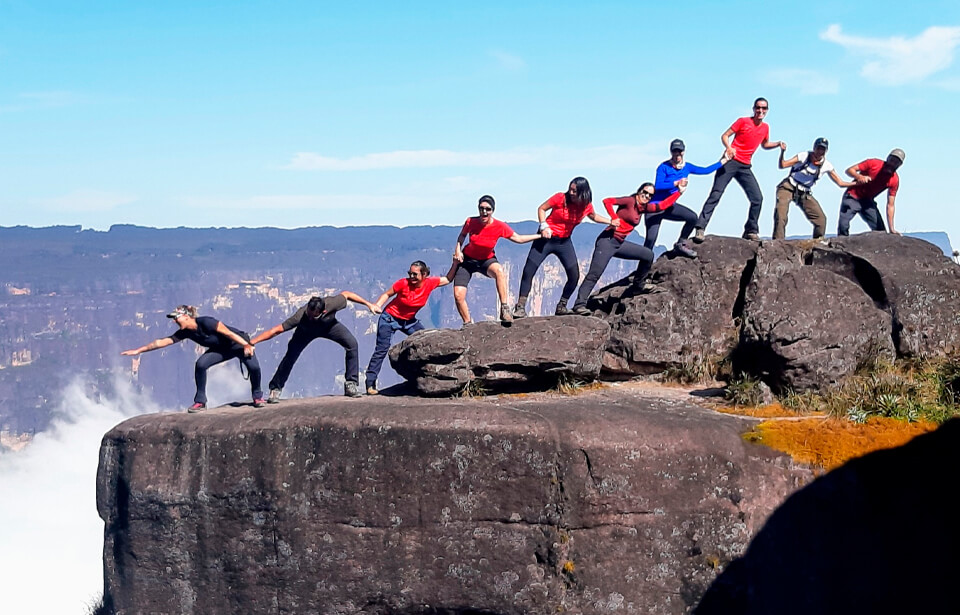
<point>768,411</point>
<point>831,442</point>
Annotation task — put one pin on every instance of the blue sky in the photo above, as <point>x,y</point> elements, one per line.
<point>309,113</point>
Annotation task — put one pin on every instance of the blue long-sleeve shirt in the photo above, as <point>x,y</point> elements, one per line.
<point>667,175</point>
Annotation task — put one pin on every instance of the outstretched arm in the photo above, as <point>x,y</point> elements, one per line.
<point>162,342</point>
<point>603,220</point>
<point>518,238</point>
<point>351,296</point>
<point>266,335</point>
<point>230,335</point>
<point>448,278</point>
<point>768,144</point>
<point>840,182</point>
<point>787,163</point>
<point>382,299</point>
<point>666,203</point>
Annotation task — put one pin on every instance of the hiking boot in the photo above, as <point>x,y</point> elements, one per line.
<point>505,315</point>
<point>519,311</point>
<point>751,236</point>
<point>351,389</point>
<point>197,407</point>
<point>698,236</point>
<point>372,390</point>
<point>274,397</point>
<point>259,402</point>
<point>683,248</point>
<point>562,309</point>
<point>582,310</point>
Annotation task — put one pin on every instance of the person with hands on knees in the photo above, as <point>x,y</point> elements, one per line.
<point>872,176</point>
<point>567,210</point>
<point>317,319</point>
<point>478,256</point>
<point>612,241</point>
<point>409,295</point>
<point>222,343</point>
<point>805,169</point>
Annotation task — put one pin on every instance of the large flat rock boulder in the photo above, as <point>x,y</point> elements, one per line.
<point>615,500</point>
<point>532,354</point>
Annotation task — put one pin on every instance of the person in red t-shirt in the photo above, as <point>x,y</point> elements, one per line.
<point>748,134</point>
<point>410,294</point>
<point>873,176</point>
<point>567,210</point>
<point>612,241</point>
<point>478,256</point>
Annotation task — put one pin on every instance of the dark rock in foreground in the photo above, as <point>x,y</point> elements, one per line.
<point>611,501</point>
<point>532,354</point>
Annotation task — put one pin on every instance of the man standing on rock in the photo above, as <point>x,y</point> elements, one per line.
<point>317,319</point>
<point>805,169</point>
<point>873,176</point>
<point>748,134</point>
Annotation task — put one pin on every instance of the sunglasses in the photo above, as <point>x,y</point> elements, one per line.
<point>485,210</point>
<point>413,274</point>
<point>649,195</point>
<point>760,108</point>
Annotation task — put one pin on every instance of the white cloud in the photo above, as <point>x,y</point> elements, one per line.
<point>898,60</point>
<point>605,157</point>
<point>87,200</point>
<point>508,61</point>
<point>804,80</point>
<point>48,519</point>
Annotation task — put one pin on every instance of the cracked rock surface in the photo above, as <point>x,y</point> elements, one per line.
<point>624,499</point>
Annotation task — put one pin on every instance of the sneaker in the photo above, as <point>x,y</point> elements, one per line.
<point>259,402</point>
<point>274,397</point>
<point>372,390</point>
<point>751,236</point>
<point>698,236</point>
<point>197,407</point>
<point>683,248</point>
<point>582,310</point>
<point>562,309</point>
<point>505,315</point>
<point>519,311</point>
<point>351,389</point>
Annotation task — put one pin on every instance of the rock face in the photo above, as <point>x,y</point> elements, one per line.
<point>533,353</point>
<point>611,501</point>
<point>800,315</point>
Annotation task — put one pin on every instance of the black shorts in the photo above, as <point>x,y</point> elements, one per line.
<point>470,266</point>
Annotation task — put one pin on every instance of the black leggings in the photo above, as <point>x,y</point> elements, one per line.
<point>212,357</point>
<point>607,247</point>
<point>541,249</point>
<point>336,332</point>
<point>674,213</point>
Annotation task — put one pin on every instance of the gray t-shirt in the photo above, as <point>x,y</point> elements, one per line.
<point>331,305</point>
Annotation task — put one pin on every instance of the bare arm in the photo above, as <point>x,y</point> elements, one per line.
<point>382,299</point>
<point>854,172</point>
<point>351,296</point>
<point>517,238</point>
<point>268,334</point>
<point>162,342</point>
<point>891,198</point>
<point>602,219</point>
<point>457,251</point>
<point>230,335</point>
<point>840,182</point>
<point>545,231</point>
<point>728,151</point>
<point>448,278</point>
<point>784,164</point>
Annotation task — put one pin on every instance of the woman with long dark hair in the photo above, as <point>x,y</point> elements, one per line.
<point>222,343</point>
<point>567,210</point>
<point>612,242</point>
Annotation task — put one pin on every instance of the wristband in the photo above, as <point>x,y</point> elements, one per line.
<point>544,226</point>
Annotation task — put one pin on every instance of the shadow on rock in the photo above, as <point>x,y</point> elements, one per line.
<point>876,535</point>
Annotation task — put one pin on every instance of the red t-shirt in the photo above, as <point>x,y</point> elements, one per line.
<point>483,238</point>
<point>747,138</point>
<point>408,301</point>
<point>628,212</point>
<point>878,181</point>
<point>563,218</point>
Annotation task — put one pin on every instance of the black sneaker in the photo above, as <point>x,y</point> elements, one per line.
<point>582,310</point>
<point>751,236</point>
<point>351,389</point>
<point>562,309</point>
<point>683,249</point>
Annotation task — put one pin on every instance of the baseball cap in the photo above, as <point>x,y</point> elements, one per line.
<point>821,142</point>
<point>180,310</point>
<point>898,153</point>
<point>677,144</point>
